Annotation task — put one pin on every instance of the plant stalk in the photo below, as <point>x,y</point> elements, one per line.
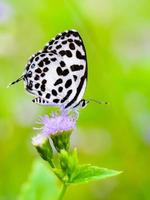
<point>63,191</point>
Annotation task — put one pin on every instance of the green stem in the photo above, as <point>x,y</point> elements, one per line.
<point>63,191</point>
<point>51,164</point>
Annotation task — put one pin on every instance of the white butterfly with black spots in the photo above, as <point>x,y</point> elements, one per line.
<point>57,75</point>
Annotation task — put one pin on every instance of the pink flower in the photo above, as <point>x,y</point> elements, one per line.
<point>57,123</point>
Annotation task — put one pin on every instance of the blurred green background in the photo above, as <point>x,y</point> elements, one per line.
<point>117,136</point>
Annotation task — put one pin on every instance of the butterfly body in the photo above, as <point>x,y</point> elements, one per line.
<point>57,75</point>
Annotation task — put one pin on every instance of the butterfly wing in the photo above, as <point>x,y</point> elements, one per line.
<point>58,73</point>
<point>71,51</point>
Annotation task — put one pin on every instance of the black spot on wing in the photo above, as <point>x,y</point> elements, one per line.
<point>59,71</point>
<point>42,54</point>
<point>55,41</point>
<point>65,72</point>
<point>39,93</point>
<point>75,77</point>
<point>50,47</point>
<point>79,55</point>
<point>64,42</point>
<point>68,83</point>
<point>43,88</point>
<point>36,78</point>
<point>70,40</point>
<point>57,37</point>
<point>56,100</point>
<point>45,69</point>
<point>38,70</point>
<point>36,58</point>
<point>43,74</point>
<point>51,42</point>
<point>71,46</point>
<point>63,33</point>
<point>60,89</point>
<point>48,96</point>
<point>59,81</point>
<point>68,53</point>
<point>37,85</point>
<point>62,52</point>
<point>62,64</point>
<point>67,96</point>
<point>78,42</point>
<point>76,67</point>
<point>54,92</point>
<point>53,59</point>
<point>59,46</point>
<point>44,81</point>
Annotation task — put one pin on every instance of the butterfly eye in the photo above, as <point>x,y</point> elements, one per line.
<point>29,74</point>
<point>33,65</point>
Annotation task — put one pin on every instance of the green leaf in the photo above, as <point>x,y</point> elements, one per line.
<point>86,173</point>
<point>41,184</point>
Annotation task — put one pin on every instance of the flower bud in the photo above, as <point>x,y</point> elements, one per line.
<point>43,147</point>
<point>61,140</point>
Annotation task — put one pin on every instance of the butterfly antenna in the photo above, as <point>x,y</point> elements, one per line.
<point>98,102</point>
<point>16,81</point>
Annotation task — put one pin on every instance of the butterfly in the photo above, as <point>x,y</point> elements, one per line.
<point>57,74</point>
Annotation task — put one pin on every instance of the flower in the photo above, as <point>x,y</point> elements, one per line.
<point>57,123</point>
<point>57,128</point>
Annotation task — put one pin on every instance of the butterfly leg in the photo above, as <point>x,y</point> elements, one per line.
<point>63,111</point>
<point>76,113</point>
